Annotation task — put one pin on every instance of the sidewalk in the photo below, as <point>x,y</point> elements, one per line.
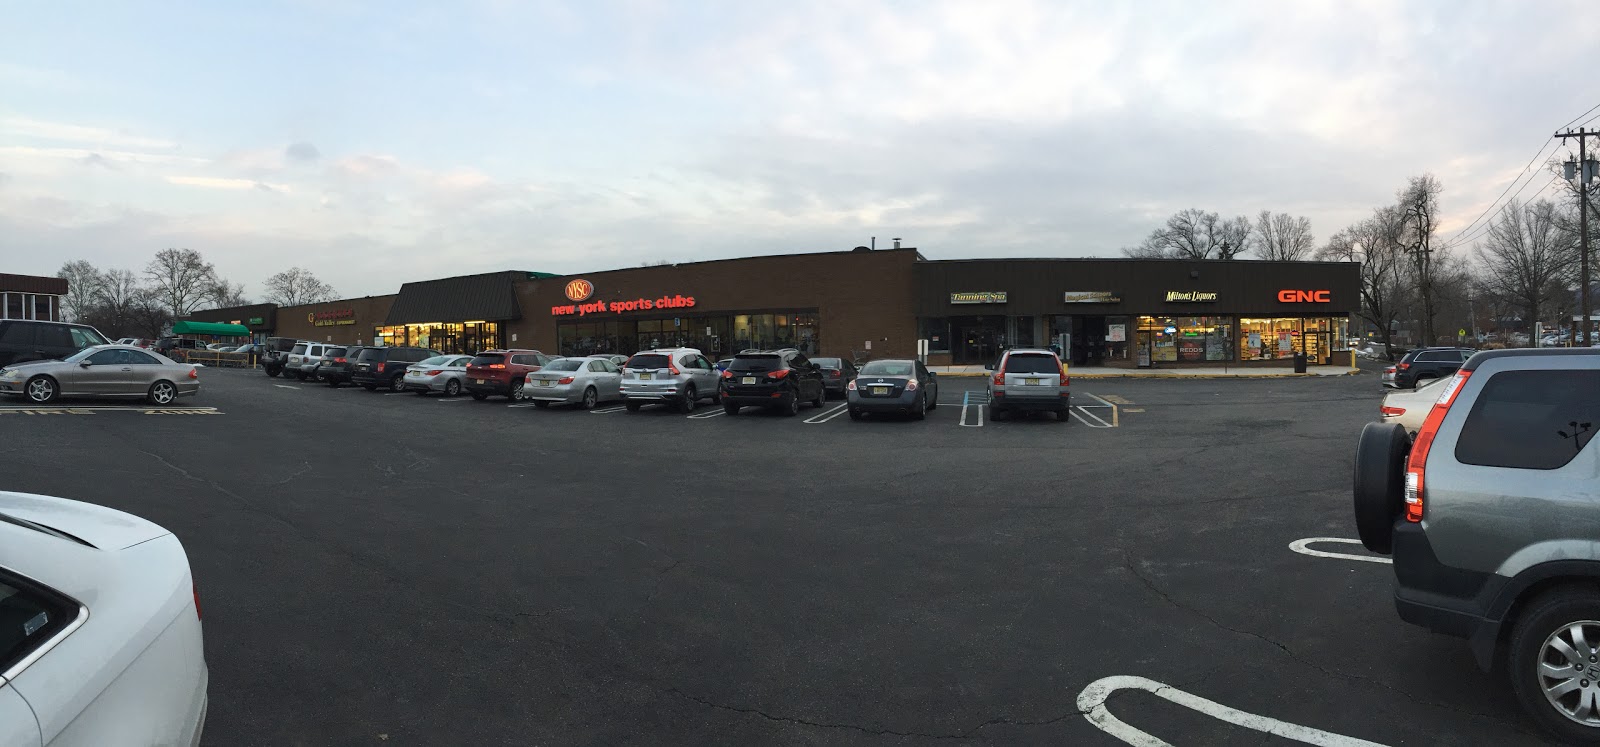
<point>1218,372</point>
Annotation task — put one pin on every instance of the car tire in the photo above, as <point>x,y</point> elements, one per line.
<point>396,384</point>
<point>516,389</point>
<point>856,414</point>
<point>790,405</point>
<point>997,414</point>
<point>689,396</point>
<point>1420,381</point>
<point>590,399</point>
<point>162,393</point>
<point>541,404</point>
<point>41,390</point>
<point>920,412</point>
<point>934,403</point>
<point>452,388</point>
<point>333,383</point>
<point>1542,621</point>
<point>822,398</point>
<point>370,387</point>
<point>1064,416</point>
<point>730,410</point>
<point>479,396</point>
<point>273,372</point>
<point>1380,483</point>
<point>633,406</point>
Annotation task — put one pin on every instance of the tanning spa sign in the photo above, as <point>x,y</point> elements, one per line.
<point>978,297</point>
<point>1191,296</point>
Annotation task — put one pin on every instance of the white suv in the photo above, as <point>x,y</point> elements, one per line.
<point>303,359</point>
<point>677,376</point>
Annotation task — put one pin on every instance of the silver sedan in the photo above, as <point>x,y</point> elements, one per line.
<point>585,382</point>
<point>441,373</point>
<point>103,371</point>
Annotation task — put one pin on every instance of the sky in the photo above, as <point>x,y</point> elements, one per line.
<point>379,142</point>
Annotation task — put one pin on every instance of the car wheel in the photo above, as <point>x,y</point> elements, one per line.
<point>452,388</point>
<point>516,389</point>
<point>1380,483</point>
<point>1064,416</point>
<point>633,406</point>
<point>690,397</point>
<point>822,398</point>
<point>920,411</point>
<point>541,404</point>
<point>590,399</point>
<point>41,390</point>
<point>479,396</point>
<point>397,385</point>
<point>333,383</point>
<point>1553,659</point>
<point>933,402</point>
<point>856,414</point>
<point>162,393</point>
<point>790,406</point>
<point>370,387</point>
<point>730,410</point>
<point>273,372</point>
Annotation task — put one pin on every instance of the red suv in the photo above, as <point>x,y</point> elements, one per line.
<point>502,371</point>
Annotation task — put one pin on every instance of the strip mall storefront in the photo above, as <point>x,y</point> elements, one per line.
<point>1130,313</point>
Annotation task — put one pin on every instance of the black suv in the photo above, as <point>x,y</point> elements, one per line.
<point>41,341</point>
<point>1420,366</point>
<point>778,379</point>
<point>275,354</point>
<point>386,366</point>
<point>339,364</point>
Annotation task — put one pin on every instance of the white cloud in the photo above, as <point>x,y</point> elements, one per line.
<point>213,182</point>
<point>72,133</point>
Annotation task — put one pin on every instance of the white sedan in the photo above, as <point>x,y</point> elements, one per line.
<point>1409,407</point>
<point>99,629</point>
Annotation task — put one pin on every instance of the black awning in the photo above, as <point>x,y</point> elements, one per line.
<point>489,298</point>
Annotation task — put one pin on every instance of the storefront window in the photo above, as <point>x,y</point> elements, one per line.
<point>937,332</point>
<point>463,338</point>
<point>1278,338</point>
<point>1188,339</point>
<point>718,335</point>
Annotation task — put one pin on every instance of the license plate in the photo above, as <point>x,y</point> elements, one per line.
<point>547,382</point>
<point>414,373</point>
<point>880,390</point>
<point>1030,382</point>
<point>477,381</point>
<point>748,380</point>
<point>647,376</point>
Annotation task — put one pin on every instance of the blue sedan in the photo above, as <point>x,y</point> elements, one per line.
<point>900,386</point>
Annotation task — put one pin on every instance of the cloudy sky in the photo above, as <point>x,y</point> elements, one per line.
<point>379,142</point>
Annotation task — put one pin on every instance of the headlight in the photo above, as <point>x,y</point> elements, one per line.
<point>10,375</point>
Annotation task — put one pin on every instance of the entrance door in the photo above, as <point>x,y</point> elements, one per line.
<point>978,338</point>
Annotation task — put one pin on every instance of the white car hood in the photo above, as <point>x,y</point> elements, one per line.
<point>105,528</point>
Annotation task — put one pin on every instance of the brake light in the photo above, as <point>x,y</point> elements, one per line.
<point>727,374</point>
<point>565,380</point>
<point>340,360</point>
<point>911,385</point>
<point>497,365</point>
<point>379,368</point>
<point>778,374</point>
<point>999,378</point>
<point>1417,462</point>
<point>194,373</point>
<point>1392,411</point>
<point>852,385</point>
<point>671,369</point>
<point>1403,366</point>
<point>433,373</point>
<point>1389,370</point>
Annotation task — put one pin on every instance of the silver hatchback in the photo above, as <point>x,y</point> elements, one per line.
<point>1029,379</point>
<point>674,376</point>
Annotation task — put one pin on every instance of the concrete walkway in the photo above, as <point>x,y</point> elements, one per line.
<point>1207,372</point>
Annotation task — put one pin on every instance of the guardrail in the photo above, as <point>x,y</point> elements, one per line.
<point>213,359</point>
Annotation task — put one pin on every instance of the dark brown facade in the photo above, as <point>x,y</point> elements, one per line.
<point>350,322</point>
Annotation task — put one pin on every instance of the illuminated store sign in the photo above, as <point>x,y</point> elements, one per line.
<point>622,307</point>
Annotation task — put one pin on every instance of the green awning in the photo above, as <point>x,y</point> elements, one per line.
<point>217,329</point>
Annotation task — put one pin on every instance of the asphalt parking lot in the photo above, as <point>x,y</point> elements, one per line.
<point>396,569</point>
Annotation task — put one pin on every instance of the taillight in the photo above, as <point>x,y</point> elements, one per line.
<point>434,373</point>
<point>497,365</point>
<point>837,374</point>
<point>378,368</point>
<point>196,589</point>
<point>999,378</point>
<point>1403,366</point>
<point>671,368</point>
<point>911,385</point>
<point>778,374</point>
<point>339,360</point>
<point>565,380</point>
<point>1417,463</point>
<point>727,374</point>
<point>852,385</point>
<point>1389,370</point>
<point>194,373</point>
<point>1392,411</point>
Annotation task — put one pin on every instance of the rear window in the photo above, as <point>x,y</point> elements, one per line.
<point>827,362</point>
<point>1033,363</point>
<point>299,350</point>
<point>565,364</point>
<point>335,352</point>
<point>887,368</point>
<point>648,360</point>
<point>756,363</point>
<point>485,359</point>
<point>370,354</point>
<point>28,618</point>
<point>1531,419</point>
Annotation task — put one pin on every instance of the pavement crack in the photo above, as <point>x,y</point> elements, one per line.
<point>287,480</point>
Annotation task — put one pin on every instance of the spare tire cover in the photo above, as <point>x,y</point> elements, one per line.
<point>1380,483</point>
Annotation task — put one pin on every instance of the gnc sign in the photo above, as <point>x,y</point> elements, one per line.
<point>1300,296</point>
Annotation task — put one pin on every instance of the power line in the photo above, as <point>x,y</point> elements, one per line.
<point>1461,238</point>
<point>1452,241</point>
<point>1580,116</point>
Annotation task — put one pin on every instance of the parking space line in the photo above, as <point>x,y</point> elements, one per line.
<point>1081,413</point>
<point>707,415</point>
<point>285,386</point>
<point>966,403</point>
<point>1300,546</point>
<point>453,399</point>
<point>396,394</point>
<point>617,408</point>
<point>1104,403</point>
<point>826,415</point>
<point>1092,703</point>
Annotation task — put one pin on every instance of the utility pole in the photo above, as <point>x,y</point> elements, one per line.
<point>1584,170</point>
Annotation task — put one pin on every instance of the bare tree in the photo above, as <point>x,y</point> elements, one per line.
<point>83,285</point>
<point>226,295</point>
<point>1419,204</point>
<point>1374,243</point>
<point>1528,259</point>
<point>180,280</point>
<point>1283,237</point>
<point>296,286</point>
<point>1195,234</point>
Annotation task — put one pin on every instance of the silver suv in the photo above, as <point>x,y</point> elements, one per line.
<point>676,376</point>
<point>1028,379</point>
<point>303,359</point>
<point>1492,516</point>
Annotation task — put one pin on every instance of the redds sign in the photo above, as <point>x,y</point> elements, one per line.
<point>1300,296</point>
<point>580,290</point>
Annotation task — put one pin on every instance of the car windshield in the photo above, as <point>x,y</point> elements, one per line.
<point>488,359</point>
<point>887,368</point>
<point>648,360</point>
<point>1033,363</point>
<point>564,364</point>
<point>756,363</point>
<point>827,362</point>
